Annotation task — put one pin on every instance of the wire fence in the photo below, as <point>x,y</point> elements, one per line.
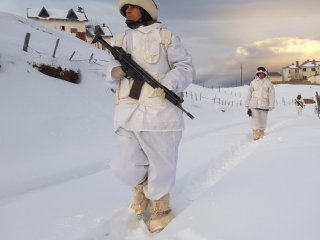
<point>224,99</point>
<point>91,59</point>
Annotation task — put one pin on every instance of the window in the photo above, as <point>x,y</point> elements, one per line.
<point>304,69</point>
<point>62,28</point>
<point>313,69</point>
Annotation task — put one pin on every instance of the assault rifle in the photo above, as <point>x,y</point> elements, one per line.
<point>135,71</point>
<point>299,103</point>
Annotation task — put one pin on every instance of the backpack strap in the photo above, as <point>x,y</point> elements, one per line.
<point>165,36</point>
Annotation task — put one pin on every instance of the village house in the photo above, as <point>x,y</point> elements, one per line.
<point>307,72</point>
<point>275,77</point>
<point>70,21</point>
<point>62,20</point>
<point>311,71</point>
<point>291,72</point>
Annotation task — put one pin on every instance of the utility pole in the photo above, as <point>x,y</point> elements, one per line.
<point>241,74</point>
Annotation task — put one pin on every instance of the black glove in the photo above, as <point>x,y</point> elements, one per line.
<point>249,112</point>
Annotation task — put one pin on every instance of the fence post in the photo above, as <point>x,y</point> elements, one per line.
<point>91,57</point>
<point>55,48</point>
<point>26,42</point>
<point>72,55</point>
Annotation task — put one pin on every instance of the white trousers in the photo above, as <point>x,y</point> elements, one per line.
<point>299,110</point>
<point>259,119</point>
<point>152,155</point>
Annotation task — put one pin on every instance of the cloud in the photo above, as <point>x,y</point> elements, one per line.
<point>273,53</point>
<point>278,52</point>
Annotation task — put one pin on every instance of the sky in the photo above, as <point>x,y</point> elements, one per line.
<point>221,36</point>
<point>56,140</point>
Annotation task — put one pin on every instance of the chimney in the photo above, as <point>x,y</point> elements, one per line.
<point>314,62</point>
<point>297,63</point>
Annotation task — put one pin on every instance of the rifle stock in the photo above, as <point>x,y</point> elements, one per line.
<point>125,60</point>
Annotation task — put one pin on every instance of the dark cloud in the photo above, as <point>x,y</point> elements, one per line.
<point>218,10</point>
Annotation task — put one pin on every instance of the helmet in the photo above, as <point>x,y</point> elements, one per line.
<point>150,6</point>
<point>262,70</point>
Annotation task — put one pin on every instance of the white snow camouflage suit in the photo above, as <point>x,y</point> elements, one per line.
<point>150,128</point>
<point>260,99</point>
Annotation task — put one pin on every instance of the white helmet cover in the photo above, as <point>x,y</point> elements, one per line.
<point>150,6</point>
<point>261,70</point>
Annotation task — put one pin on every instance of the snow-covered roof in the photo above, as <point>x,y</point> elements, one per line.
<point>274,74</point>
<point>292,66</point>
<point>310,64</point>
<point>103,30</point>
<point>44,13</point>
<point>306,64</point>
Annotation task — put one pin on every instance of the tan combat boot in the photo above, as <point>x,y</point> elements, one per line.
<point>261,133</point>
<point>139,202</point>
<point>255,134</point>
<point>160,214</point>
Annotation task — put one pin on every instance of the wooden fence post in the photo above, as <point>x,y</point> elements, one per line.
<point>26,42</point>
<point>55,48</point>
<point>72,55</point>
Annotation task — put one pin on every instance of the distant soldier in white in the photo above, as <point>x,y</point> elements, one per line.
<point>147,125</point>
<point>260,100</point>
<point>299,104</point>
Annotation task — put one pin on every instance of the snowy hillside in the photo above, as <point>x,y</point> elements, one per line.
<point>56,140</point>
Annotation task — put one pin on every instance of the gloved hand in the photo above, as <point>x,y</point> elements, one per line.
<point>117,73</point>
<point>249,112</point>
<point>159,92</point>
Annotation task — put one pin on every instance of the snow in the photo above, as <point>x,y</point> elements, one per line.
<point>56,139</point>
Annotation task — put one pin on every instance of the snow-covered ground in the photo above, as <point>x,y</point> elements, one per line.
<point>56,140</point>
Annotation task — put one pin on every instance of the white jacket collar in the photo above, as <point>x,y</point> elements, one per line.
<point>263,79</point>
<point>146,29</point>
